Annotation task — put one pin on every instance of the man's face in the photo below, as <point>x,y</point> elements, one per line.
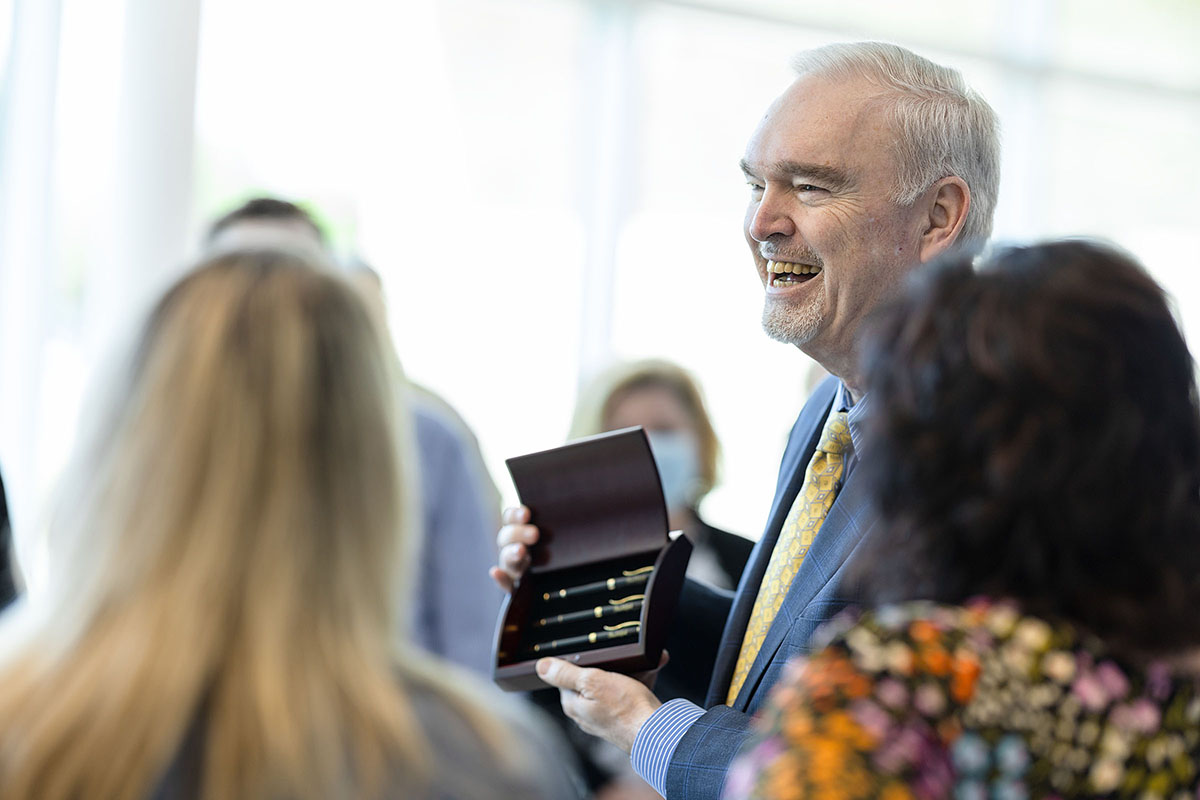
<point>829,243</point>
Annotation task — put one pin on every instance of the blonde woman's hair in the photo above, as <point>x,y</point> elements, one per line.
<point>225,568</point>
<point>601,395</point>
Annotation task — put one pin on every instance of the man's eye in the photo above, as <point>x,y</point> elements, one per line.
<point>755,187</point>
<point>807,187</point>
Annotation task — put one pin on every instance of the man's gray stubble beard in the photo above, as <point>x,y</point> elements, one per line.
<point>794,328</point>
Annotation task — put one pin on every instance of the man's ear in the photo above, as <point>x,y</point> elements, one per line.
<point>948,202</point>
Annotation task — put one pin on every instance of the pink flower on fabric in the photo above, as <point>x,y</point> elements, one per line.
<point>1115,684</point>
<point>872,718</point>
<point>929,699</point>
<point>745,770</point>
<point>740,780</point>
<point>1158,681</point>
<point>899,751</point>
<point>892,693</point>
<point>910,744</point>
<point>933,782</point>
<point>935,776</point>
<point>1090,691</point>
<point>1140,716</point>
<point>770,749</point>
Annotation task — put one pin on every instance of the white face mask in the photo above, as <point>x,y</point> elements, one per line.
<point>677,456</point>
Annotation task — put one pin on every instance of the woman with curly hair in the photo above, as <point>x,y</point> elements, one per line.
<point>227,570</point>
<point>1035,457</point>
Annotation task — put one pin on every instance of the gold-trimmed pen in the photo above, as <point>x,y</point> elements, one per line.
<point>636,578</point>
<point>598,612</point>
<point>606,635</point>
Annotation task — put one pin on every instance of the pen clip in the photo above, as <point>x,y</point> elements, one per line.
<point>622,625</point>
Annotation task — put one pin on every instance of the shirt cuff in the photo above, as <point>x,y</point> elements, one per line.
<point>657,739</point>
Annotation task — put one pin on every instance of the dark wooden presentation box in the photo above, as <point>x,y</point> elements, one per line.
<point>605,575</point>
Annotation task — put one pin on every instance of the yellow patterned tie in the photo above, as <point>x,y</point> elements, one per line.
<point>803,521</point>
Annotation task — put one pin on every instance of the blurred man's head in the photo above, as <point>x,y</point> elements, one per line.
<point>266,222</point>
<point>873,161</point>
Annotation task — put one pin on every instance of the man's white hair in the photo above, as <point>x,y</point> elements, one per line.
<point>945,127</point>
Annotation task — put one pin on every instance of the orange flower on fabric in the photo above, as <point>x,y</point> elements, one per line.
<point>895,791</point>
<point>964,674</point>
<point>843,727</point>
<point>785,780</point>
<point>936,660</point>
<point>923,631</point>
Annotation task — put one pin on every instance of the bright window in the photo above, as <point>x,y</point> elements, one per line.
<point>548,184</point>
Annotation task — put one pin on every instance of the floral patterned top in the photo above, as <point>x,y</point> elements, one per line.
<point>976,702</point>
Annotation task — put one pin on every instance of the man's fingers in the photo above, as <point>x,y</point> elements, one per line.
<point>515,515</point>
<point>516,534</point>
<point>563,674</point>
<point>502,579</point>
<point>605,704</point>
<point>514,560</point>
<point>513,541</point>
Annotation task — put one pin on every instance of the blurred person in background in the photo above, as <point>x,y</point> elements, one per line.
<point>370,284</point>
<point>665,400</point>
<point>455,610</point>
<point>266,222</point>
<point>8,582</point>
<point>228,557</point>
<point>874,162</point>
<point>1035,457</point>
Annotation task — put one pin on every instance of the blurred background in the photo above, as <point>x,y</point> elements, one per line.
<point>544,185</point>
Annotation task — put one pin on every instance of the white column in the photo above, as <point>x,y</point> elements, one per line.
<point>1027,30</point>
<point>607,155</point>
<point>152,175</point>
<point>26,170</point>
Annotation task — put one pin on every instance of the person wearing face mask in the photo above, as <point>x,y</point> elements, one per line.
<point>664,399</point>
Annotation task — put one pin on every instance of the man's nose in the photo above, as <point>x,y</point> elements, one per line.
<point>771,217</point>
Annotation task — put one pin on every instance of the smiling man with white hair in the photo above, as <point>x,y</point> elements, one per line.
<point>873,162</point>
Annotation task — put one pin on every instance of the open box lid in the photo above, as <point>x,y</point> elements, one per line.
<point>593,499</point>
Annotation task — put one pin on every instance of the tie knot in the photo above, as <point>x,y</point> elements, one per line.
<point>835,439</point>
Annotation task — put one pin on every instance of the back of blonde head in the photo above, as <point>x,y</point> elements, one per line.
<point>226,564</point>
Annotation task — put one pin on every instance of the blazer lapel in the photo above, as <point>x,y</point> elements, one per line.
<point>801,443</point>
<point>847,522</point>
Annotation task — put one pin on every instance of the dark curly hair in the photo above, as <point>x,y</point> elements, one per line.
<point>1036,435</point>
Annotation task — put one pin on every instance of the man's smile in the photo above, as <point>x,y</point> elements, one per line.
<point>786,273</point>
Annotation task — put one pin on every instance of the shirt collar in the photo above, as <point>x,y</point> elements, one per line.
<point>856,414</point>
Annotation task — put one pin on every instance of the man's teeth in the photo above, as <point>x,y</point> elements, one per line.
<point>781,267</point>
